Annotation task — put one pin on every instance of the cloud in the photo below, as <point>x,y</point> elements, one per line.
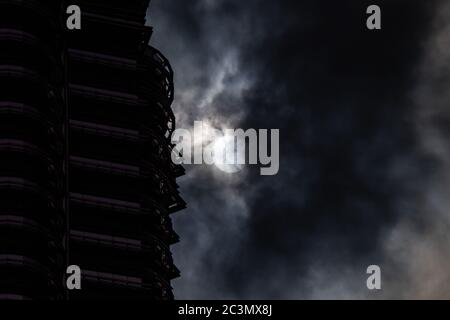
<point>209,88</point>
<point>358,170</point>
<point>419,246</point>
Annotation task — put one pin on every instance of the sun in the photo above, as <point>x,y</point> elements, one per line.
<point>224,148</point>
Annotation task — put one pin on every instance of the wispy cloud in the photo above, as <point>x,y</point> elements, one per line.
<point>364,157</point>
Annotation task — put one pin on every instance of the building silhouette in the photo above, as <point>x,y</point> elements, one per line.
<point>85,172</point>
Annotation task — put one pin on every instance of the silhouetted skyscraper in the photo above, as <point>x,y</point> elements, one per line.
<point>85,175</point>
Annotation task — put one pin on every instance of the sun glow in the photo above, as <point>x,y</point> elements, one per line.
<point>227,157</point>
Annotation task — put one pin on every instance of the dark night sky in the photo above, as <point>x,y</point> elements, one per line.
<point>364,161</point>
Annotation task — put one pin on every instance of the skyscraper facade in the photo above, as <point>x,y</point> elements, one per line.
<point>85,176</point>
